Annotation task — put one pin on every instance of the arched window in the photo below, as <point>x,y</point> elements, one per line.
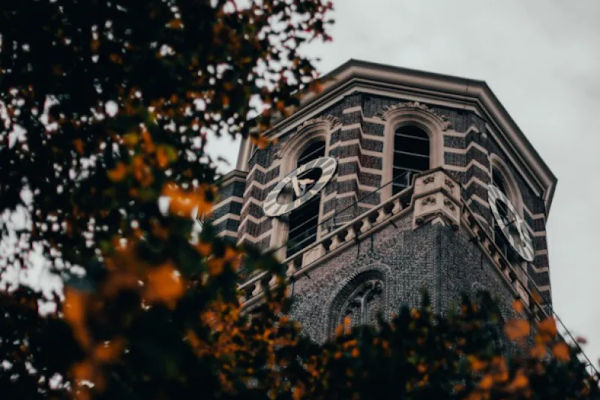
<point>304,220</point>
<point>360,300</point>
<point>411,155</point>
<point>364,303</point>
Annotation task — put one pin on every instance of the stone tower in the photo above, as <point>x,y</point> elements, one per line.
<point>387,182</point>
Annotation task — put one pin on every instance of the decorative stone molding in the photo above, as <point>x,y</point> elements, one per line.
<point>364,302</point>
<point>361,297</point>
<point>313,254</point>
<point>389,111</point>
<point>436,199</point>
<point>326,122</point>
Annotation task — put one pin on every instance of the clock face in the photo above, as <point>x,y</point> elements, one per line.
<point>299,186</point>
<point>509,222</point>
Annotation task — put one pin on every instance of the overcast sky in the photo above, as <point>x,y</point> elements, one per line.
<point>542,59</point>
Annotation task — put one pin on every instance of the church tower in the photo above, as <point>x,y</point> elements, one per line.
<point>387,182</point>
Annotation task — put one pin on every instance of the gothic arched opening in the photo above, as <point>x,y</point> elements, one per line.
<point>361,300</point>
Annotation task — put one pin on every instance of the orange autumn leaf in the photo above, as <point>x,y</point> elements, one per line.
<point>315,86</point>
<point>142,172</point>
<point>347,324</point>
<point>260,141</point>
<point>339,330</point>
<point>187,203</point>
<point>165,155</point>
<point>74,309</point>
<point>548,327</point>
<point>233,257</point>
<point>115,58</point>
<point>94,45</point>
<point>199,347</point>
<point>280,105</point>
<point>561,351</point>
<point>164,285</point>
<point>517,329</point>
<point>78,144</point>
<point>148,145</point>
<point>204,248</point>
<point>118,173</point>
<point>499,368</point>
<point>538,351</point>
<point>476,364</point>
<point>486,382</point>
<point>108,351</point>
<point>118,281</point>
<point>162,160</point>
<point>298,391</point>
<point>518,306</point>
<point>215,266</point>
<point>83,371</point>
<point>459,387</point>
<point>74,314</point>
<point>175,23</point>
<point>183,204</point>
<point>519,382</point>
<point>415,314</point>
<point>473,396</point>
<point>536,297</point>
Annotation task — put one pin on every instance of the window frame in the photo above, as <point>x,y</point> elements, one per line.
<point>421,118</point>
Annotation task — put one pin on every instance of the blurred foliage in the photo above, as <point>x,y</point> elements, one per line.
<point>105,107</point>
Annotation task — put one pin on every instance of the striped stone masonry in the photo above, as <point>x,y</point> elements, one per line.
<point>358,147</point>
<point>255,227</point>
<point>226,212</point>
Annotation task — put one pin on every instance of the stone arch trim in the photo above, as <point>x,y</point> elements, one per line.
<point>310,131</point>
<point>350,284</point>
<point>415,108</point>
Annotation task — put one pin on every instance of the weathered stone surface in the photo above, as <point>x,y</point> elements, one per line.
<point>433,258</point>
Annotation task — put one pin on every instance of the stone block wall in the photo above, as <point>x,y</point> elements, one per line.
<point>434,258</point>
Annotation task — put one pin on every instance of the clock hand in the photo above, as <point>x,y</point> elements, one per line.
<point>299,185</point>
<point>306,181</point>
<point>296,186</point>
